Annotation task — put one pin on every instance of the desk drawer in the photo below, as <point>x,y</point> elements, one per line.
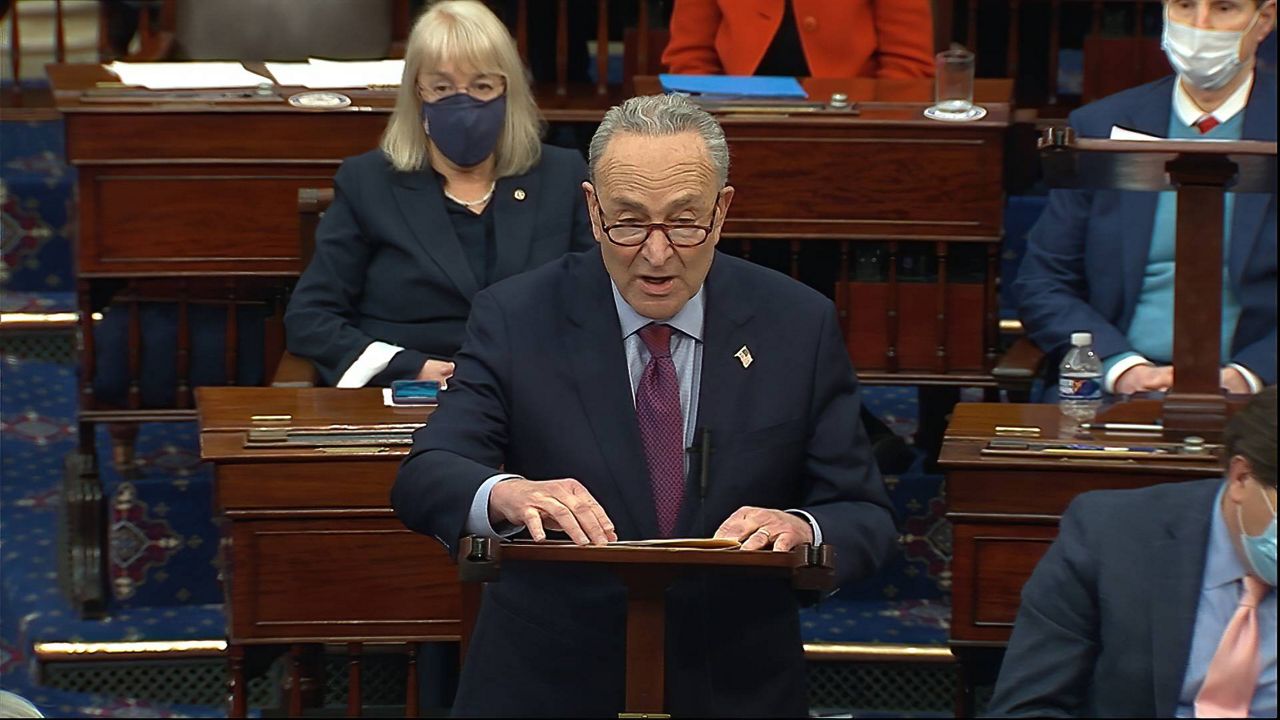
<point>339,579</point>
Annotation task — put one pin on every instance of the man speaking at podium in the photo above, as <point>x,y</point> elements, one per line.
<point>590,396</point>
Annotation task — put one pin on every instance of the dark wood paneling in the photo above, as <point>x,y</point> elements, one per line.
<point>927,182</point>
<point>991,564</point>
<point>916,321</point>
<point>259,137</point>
<point>301,485</point>
<point>193,219</point>
<point>361,578</point>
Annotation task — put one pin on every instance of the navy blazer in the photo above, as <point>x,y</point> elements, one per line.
<point>388,266</point>
<point>1106,620</point>
<point>1087,254</point>
<point>542,389</point>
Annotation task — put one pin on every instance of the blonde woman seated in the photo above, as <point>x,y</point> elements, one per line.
<point>462,193</point>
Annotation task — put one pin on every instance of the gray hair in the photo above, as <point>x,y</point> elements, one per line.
<point>658,116</point>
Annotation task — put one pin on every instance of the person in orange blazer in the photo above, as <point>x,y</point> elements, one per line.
<point>840,38</point>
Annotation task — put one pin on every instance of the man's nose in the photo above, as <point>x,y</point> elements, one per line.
<point>657,248</point>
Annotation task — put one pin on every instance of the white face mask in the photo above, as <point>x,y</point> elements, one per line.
<point>1207,59</point>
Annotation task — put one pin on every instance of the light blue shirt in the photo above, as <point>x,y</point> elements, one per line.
<point>1219,596</point>
<point>686,355</point>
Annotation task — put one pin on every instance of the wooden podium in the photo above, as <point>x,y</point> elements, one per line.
<point>1200,172</point>
<point>647,571</point>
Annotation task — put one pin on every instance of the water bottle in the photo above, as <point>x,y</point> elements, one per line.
<point>1080,379</point>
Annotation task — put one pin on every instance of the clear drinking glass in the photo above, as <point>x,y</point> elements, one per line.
<point>953,89</point>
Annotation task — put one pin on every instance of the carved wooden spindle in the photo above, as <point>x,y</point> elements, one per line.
<point>990,307</point>
<point>59,33</point>
<point>232,338</point>
<point>184,346</point>
<point>87,345</point>
<point>891,310</point>
<point>744,248</point>
<point>135,353</point>
<point>941,358</point>
<point>1011,59</point>
<point>842,290</point>
<point>562,48</point>
<point>794,247</point>
<point>1095,16</point>
<point>1055,41</point>
<point>602,47</point>
<point>971,27</point>
<point>355,703</point>
<point>411,681</point>
<point>15,48</point>
<point>239,694</point>
<point>522,29</point>
<point>642,53</point>
<point>295,680</point>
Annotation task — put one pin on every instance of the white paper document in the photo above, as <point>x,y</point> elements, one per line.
<point>1119,133</point>
<point>319,74</point>
<point>187,75</point>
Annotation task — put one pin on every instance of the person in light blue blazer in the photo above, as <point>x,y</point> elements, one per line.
<point>1125,612</point>
<point>1102,261</point>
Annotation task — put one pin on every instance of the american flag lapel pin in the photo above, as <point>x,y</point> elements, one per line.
<point>744,356</point>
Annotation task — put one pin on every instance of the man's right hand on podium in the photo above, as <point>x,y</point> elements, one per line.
<point>542,505</point>
<point>1144,378</point>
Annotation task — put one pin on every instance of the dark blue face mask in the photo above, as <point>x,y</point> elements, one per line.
<point>465,129</point>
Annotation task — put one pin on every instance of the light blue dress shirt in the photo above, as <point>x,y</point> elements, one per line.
<point>1219,596</point>
<point>686,355</point>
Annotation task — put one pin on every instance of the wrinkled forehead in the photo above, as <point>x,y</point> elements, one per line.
<point>634,164</point>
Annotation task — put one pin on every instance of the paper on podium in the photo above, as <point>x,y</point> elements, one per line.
<point>681,543</point>
<point>734,86</point>
<point>187,75</point>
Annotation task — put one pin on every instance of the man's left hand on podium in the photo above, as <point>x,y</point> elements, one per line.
<point>760,528</point>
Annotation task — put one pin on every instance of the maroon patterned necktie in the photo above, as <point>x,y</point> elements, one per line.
<point>662,426</point>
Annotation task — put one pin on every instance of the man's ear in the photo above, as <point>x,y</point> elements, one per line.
<point>593,211</point>
<point>1238,472</point>
<point>725,199</point>
<point>1266,21</point>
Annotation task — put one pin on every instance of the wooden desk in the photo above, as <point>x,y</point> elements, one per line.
<point>313,551</point>
<point>1004,513</point>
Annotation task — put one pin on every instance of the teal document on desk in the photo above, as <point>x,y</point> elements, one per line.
<point>734,86</point>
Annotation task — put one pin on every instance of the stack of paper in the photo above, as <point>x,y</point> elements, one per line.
<point>318,74</point>
<point>187,75</point>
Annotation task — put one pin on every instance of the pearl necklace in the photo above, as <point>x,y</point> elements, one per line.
<point>472,203</point>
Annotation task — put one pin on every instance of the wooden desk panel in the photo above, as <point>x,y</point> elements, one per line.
<point>315,552</point>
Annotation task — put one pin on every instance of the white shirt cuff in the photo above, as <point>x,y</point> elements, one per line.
<point>1109,382</point>
<point>478,519</point>
<point>817,529</point>
<point>372,361</point>
<point>1255,382</point>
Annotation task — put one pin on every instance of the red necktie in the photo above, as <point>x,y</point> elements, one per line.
<point>1232,677</point>
<point>662,426</point>
<point>1207,123</point>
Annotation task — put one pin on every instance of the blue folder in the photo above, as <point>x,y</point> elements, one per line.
<point>734,86</point>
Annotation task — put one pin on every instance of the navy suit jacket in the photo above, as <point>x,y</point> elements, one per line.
<point>388,266</point>
<point>1086,256</point>
<point>1106,620</point>
<point>542,389</point>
